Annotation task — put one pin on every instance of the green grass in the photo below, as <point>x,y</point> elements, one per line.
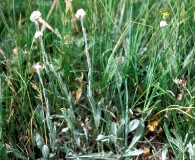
<point>104,106</point>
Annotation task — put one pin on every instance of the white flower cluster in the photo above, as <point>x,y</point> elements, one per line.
<point>163,24</point>
<point>37,66</point>
<point>80,14</point>
<point>38,34</point>
<point>34,17</point>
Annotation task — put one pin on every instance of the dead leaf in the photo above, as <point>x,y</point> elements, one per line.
<point>55,2</point>
<point>68,5</point>
<point>15,51</point>
<point>181,83</point>
<point>179,97</point>
<point>153,124</point>
<point>87,124</point>
<point>78,95</point>
<point>34,86</point>
<point>146,153</point>
<point>45,24</point>
<point>146,150</point>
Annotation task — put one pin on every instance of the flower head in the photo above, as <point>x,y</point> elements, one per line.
<point>80,14</point>
<point>37,66</point>
<point>163,24</point>
<point>34,17</point>
<point>165,14</point>
<point>38,34</point>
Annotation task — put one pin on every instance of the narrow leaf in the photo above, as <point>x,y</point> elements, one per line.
<point>121,127</point>
<point>188,59</point>
<point>45,151</point>
<point>135,152</point>
<point>113,135</point>
<point>102,138</point>
<point>133,125</point>
<point>39,141</point>
<point>138,133</point>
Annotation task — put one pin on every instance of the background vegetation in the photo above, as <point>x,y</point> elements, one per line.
<point>142,93</point>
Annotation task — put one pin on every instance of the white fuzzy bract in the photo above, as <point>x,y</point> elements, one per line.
<point>34,17</point>
<point>80,14</point>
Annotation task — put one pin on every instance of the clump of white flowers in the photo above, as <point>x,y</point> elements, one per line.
<point>80,14</point>
<point>163,24</point>
<point>38,34</point>
<point>37,66</point>
<point>34,17</point>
